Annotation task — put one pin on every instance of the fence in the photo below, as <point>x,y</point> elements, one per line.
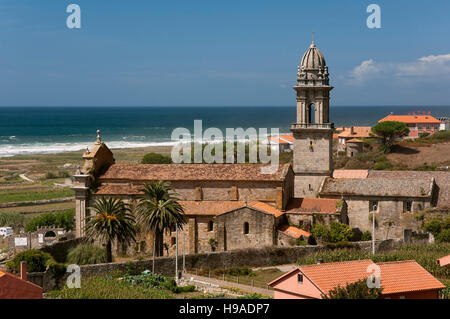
<point>224,276</point>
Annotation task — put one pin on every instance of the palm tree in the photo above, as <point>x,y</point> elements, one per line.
<point>112,221</point>
<point>158,210</point>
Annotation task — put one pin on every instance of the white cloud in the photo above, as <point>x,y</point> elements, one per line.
<point>428,68</point>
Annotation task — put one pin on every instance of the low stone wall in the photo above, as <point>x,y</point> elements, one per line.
<point>59,250</point>
<point>37,202</point>
<point>268,256</point>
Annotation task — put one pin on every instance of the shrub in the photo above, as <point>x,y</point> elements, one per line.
<point>443,236</point>
<point>433,226</point>
<point>367,235</point>
<point>355,290</point>
<point>50,175</point>
<point>63,219</point>
<point>340,232</point>
<point>382,165</point>
<point>154,158</point>
<point>12,219</point>
<point>321,232</point>
<point>37,261</point>
<point>63,174</point>
<point>85,254</point>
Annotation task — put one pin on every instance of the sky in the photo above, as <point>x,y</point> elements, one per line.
<point>220,53</point>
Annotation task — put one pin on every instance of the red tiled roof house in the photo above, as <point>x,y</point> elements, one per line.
<point>399,280</point>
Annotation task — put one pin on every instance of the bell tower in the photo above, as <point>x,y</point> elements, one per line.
<point>313,132</point>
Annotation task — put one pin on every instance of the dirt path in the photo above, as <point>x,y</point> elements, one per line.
<point>22,176</point>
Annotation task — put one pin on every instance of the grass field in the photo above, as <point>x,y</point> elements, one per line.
<point>31,194</point>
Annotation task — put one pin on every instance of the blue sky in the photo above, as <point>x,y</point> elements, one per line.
<point>220,53</point>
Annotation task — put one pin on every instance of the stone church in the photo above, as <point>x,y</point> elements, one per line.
<point>231,206</point>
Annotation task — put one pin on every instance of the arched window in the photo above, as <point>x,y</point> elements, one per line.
<point>210,225</point>
<point>311,113</point>
<point>246,228</point>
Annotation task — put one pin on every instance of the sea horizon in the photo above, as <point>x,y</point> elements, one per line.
<point>28,130</point>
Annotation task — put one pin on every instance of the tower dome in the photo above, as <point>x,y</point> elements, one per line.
<point>313,70</point>
<point>313,58</point>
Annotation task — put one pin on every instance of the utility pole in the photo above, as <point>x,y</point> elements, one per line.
<point>176,253</point>
<point>184,252</point>
<point>374,208</point>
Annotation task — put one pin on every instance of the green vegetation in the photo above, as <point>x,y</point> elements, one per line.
<point>85,254</point>
<point>112,221</point>
<point>389,130</point>
<point>336,233</point>
<point>36,260</point>
<point>109,288</point>
<point>28,194</point>
<point>63,219</point>
<point>12,219</point>
<point>367,235</point>
<point>155,158</point>
<point>355,290</point>
<point>436,224</point>
<point>60,174</point>
<point>149,280</point>
<point>158,210</point>
<point>424,254</point>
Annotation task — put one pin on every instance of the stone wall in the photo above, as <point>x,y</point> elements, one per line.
<point>391,219</point>
<point>261,229</point>
<point>312,160</point>
<point>251,257</point>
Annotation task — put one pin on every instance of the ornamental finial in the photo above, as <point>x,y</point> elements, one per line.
<point>99,140</point>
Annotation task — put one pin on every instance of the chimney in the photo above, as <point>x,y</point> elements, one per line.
<point>23,270</point>
<point>352,130</point>
<point>343,128</point>
<point>319,261</point>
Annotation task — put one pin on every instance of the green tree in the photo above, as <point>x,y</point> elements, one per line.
<point>155,158</point>
<point>112,221</point>
<point>340,232</point>
<point>389,130</point>
<point>321,232</point>
<point>63,219</point>
<point>355,290</point>
<point>158,210</point>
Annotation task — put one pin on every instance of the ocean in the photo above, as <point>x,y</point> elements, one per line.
<point>38,130</point>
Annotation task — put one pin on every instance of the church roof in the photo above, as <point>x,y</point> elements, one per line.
<point>313,205</point>
<point>378,187</point>
<point>192,172</point>
<point>441,178</point>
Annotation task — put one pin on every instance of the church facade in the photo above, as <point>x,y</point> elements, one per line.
<point>232,206</point>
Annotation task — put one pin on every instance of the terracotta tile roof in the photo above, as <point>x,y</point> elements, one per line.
<point>406,276</point>
<point>358,131</point>
<point>398,187</point>
<point>442,180</point>
<point>330,275</point>
<point>396,277</point>
<point>293,231</point>
<point>193,172</point>
<point>279,140</point>
<point>289,138</point>
<point>444,261</point>
<point>411,119</point>
<point>354,140</point>
<point>210,207</point>
<point>313,205</point>
<point>265,208</point>
<point>118,189</point>
<point>350,173</point>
